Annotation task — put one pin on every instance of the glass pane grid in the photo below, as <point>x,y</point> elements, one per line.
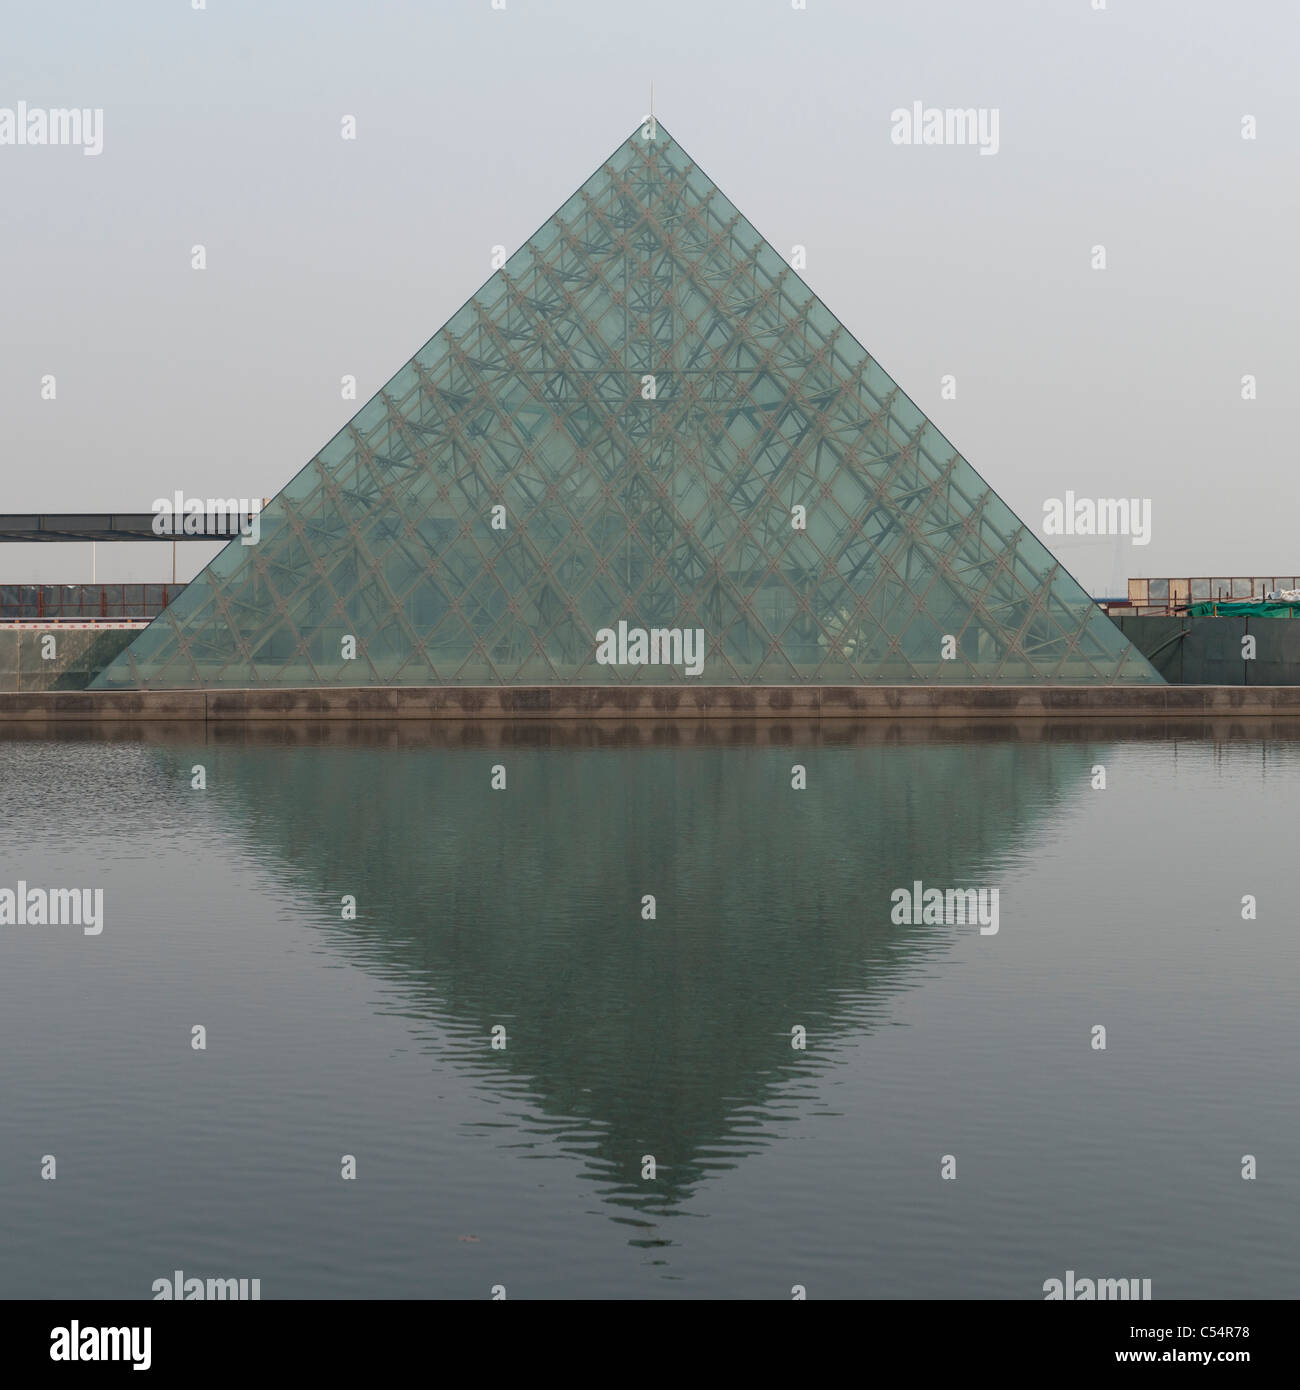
<point>647,392</point>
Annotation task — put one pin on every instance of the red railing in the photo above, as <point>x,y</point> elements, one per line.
<point>84,602</point>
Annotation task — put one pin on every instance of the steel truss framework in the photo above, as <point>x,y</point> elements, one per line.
<point>674,512</point>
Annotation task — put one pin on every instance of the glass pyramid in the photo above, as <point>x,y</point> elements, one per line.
<point>647,394</point>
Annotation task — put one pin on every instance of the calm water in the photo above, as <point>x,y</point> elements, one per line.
<point>624,1037</point>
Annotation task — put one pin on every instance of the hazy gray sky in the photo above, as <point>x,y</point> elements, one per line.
<point>1120,127</point>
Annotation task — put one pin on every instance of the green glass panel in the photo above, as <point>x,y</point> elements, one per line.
<point>521,487</point>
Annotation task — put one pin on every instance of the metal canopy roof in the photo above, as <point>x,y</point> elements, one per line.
<point>111,526</point>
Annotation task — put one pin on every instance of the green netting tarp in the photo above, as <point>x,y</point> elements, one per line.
<point>1245,608</point>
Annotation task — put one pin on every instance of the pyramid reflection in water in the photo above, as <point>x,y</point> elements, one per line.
<point>522,907</point>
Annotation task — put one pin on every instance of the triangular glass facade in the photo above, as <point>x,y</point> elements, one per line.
<point>647,394</point>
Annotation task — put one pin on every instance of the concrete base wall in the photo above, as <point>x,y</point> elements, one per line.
<point>658,702</point>
<point>79,655</point>
<point>1207,651</point>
